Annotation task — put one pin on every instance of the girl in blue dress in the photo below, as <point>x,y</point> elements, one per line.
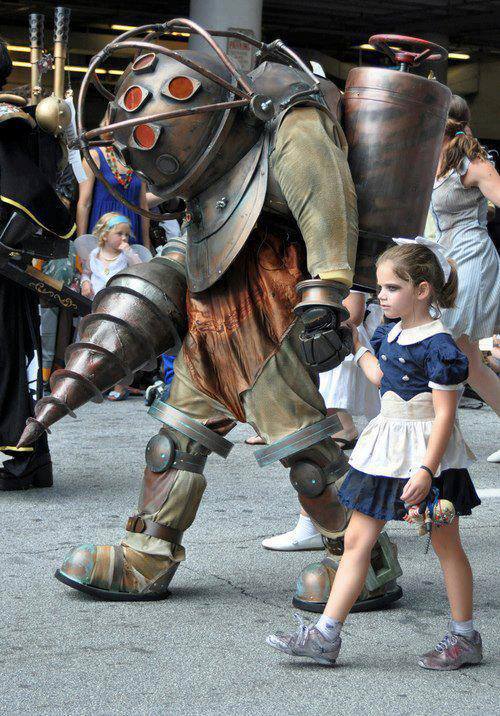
<point>412,446</point>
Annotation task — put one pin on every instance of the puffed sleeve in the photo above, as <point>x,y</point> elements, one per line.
<point>446,366</point>
<point>379,335</point>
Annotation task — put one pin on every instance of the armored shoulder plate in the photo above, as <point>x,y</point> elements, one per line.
<point>222,216</point>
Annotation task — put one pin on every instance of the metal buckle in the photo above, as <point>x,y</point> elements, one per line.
<point>135,524</point>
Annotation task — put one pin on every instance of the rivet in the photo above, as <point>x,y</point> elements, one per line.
<point>221,204</point>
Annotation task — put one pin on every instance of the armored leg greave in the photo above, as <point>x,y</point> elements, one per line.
<point>173,482</point>
<point>142,566</point>
<point>316,464</point>
<point>317,468</point>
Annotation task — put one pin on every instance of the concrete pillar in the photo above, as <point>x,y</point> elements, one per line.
<point>241,15</point>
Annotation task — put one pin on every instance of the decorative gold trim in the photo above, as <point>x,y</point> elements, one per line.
<point>35,273</point>
<point>11,448</point>
<point>41,288</point>
<point>28,213</point>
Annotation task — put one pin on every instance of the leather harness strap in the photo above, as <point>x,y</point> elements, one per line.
<point>147,527</point>
<point>117,568</point>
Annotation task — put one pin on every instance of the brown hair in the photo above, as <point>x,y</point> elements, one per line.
<point>416,263</point>
<point>459,145</point>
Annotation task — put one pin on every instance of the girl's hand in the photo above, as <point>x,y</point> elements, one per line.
<point>87,289</point>
<point>124,246</point>
<point>417,488</point>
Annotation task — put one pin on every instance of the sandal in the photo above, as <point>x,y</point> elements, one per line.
<point>346,444</point>
<point>116,395</point>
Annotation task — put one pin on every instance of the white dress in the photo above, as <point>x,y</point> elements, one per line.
<point>346,387</point>
<point>99,273</point>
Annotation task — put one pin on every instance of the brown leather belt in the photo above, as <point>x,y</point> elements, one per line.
<point>147,527</point>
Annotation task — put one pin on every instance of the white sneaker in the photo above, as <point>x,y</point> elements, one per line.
<point>288,542</point>
<point>494,457</point>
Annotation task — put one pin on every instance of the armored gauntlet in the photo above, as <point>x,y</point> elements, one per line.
<point>324,342</point>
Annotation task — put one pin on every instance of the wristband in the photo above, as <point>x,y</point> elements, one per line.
<point>360,352</point>
<point>427,469</point>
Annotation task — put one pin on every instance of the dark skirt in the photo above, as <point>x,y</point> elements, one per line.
<point>379,497</point>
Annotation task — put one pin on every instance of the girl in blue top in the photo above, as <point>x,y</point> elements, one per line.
<point>412,446</point>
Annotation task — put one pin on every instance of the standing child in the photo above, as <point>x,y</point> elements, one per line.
<point>113,253</point>
<point>413,445</point>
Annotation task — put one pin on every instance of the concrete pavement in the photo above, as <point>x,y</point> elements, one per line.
<point>202,651</point>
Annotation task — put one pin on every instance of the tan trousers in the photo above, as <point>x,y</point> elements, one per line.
<point>284,399</point>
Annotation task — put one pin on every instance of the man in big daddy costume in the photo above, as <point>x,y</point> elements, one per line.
<point>270,236</point>
<point>32,222</point>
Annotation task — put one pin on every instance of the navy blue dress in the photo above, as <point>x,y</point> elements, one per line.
<point>103,201</point>
<point>392,447</point>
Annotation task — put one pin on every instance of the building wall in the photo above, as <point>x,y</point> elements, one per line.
<point>479,83</point>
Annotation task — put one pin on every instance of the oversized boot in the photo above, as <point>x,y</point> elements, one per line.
<point>317,469</point>
<point>381,589</point>
<point>143,564</point>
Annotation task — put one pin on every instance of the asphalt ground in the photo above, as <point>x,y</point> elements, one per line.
<point>203,651</point>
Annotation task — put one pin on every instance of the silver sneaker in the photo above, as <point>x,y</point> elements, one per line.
<point>453,652</point>
<point>307,641</point>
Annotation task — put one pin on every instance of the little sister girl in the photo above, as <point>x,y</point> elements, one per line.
<point>113,253</point>
<point>413,445</point>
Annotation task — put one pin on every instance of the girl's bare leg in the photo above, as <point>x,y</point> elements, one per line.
<point>359,539</point>
<point>481,378</point>
<point>456,570</point>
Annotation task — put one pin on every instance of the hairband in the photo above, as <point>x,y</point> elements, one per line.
<point>436,250</point>
<point>120,219</point>
<point>459,133</point>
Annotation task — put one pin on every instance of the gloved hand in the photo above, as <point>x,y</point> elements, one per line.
<point>324,342</point>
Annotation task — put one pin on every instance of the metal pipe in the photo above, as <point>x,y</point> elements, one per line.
<point>36,33</point>
<point>151,47</point>
<point>161,116</point>
<point>61,32</point>
<point>215,47</point>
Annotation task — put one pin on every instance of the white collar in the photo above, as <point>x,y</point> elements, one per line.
<point>409,336</point>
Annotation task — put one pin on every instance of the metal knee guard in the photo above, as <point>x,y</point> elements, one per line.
<point>313,475</point>
<point>324,508</point>
<point>191,428</point>
<point>162,454</point>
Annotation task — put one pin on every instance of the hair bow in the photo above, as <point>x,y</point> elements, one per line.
<point>436,250</point>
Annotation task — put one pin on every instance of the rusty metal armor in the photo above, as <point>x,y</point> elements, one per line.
<point>195,128</point>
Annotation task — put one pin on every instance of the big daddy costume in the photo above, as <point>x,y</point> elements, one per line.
<point>270,234</point>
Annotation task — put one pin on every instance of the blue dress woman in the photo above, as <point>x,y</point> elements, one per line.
<point>95,200</point>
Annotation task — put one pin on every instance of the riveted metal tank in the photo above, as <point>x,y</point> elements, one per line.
<point>394,123</point>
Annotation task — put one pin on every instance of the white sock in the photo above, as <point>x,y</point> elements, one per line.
<point>463,628</point>
<point>305,527</point>
<point>330,628</point>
